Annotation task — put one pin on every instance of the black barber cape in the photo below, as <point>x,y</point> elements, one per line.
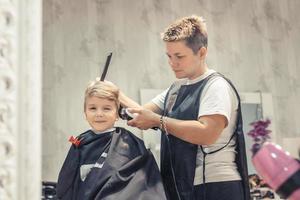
<point>110,166</point>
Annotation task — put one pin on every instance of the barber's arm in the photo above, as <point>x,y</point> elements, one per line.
<point>127,102</point>
<point>204,131</point>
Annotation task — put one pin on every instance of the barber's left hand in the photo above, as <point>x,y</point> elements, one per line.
<point>144,118</point>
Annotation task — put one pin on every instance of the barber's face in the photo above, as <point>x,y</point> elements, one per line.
<point>183,61</point>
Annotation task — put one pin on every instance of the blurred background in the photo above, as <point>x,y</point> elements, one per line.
<point>254,43</point>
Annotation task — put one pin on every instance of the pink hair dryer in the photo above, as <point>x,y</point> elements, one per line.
<point>279,170</point>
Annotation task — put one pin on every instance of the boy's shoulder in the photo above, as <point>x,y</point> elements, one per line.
<point>84,134</point>
<point>123,132</point>
<point>88,137</point>
<point>124,137</point>
<point>120,137</point>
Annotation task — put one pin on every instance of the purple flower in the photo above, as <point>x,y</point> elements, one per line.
<point>260,134</point>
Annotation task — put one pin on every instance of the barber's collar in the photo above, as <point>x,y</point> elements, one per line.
<point>199,78</point>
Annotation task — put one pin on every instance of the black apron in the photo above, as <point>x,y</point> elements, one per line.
<point>178,157</point>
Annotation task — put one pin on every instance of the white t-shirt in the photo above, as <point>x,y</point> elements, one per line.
<point>217,97</point>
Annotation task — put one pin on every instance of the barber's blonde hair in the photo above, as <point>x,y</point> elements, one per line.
<point>103,90</point>
<point>190,29</point>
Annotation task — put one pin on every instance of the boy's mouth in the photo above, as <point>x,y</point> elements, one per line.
<point>100,121</point>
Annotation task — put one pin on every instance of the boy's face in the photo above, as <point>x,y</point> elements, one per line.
<point>183,61</point>
<point>100,113</point>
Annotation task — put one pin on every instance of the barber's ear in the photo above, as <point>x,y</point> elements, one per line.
<point>202,52</point>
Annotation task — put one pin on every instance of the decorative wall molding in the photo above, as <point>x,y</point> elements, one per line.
<point>8,95</point>
<point>29,99</point>
<point>20,99</point>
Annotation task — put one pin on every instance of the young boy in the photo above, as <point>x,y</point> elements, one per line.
<point>107,162</point>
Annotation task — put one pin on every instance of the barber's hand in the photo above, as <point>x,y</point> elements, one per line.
<point>144,119</point>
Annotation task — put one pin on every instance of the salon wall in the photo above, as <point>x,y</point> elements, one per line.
<point>255,43</point>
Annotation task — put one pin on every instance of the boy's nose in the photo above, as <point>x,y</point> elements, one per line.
<point>99,114</point>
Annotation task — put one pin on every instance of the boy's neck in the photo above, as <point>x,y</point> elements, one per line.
<point>105,131</point>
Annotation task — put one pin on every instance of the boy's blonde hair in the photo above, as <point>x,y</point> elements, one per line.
<point>190,29</point>
<point>103,90</point>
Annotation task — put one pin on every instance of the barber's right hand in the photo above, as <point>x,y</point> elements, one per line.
<point>144,118</point>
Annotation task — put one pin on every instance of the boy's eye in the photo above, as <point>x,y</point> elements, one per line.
<point>107,108</point>
<point>179,57</point>
<point>92,108</point>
